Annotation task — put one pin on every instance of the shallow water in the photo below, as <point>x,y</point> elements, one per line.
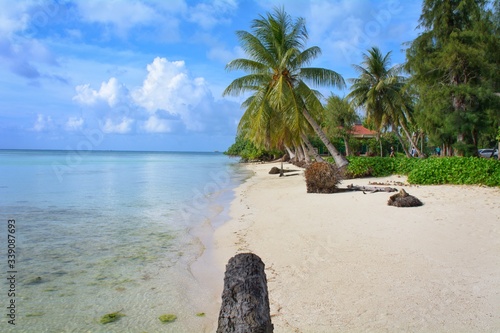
<point>110,231</point>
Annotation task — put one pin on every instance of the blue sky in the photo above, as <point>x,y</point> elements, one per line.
<point>149,74</point>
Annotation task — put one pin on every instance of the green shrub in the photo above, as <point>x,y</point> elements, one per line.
<point>433,170</point>
<point>370,166</point>
<point>456,170</point>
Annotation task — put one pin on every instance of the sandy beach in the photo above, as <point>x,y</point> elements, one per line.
<point>347,262</point>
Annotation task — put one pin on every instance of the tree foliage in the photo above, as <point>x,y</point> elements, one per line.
<point>282,108</point>
<point>454,65</point>
<point>339,119</point>
<point>381,90</point>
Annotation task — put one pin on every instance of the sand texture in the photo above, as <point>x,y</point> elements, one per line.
<point>348,262</point>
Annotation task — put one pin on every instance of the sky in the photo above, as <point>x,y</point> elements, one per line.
<point>149,74</point>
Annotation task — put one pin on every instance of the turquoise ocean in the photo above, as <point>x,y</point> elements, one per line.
<point>98,232</point>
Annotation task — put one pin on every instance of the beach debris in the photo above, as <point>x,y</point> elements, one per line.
<point>245,300</point>
<point>371,189</point>
<point>111,317</point>
<point>403,199</point>
<point>389,183</point>
<point>322,177</point>
<point>276,171</point>
<point>200,314</point>
<point>167,318</point>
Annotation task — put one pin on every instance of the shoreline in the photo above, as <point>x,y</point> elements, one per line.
<point>208,276</point>
<point>350,263</point>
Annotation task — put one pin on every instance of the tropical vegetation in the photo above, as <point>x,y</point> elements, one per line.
<point>445,170</point>
<point>445,100</point>
<point>282,109</point>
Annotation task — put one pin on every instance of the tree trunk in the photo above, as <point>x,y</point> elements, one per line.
<point>306,153</point>
<point>340,160</point>
<point>395,131</point>
<point>411,140</point>
<point>245,300</point>
<point>299,154</point>
<point>317,157</point>
<point>290,152</point>
<point>380,144</point>
<point>347,147</point>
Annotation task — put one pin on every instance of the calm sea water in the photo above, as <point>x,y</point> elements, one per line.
<point>103,232</point>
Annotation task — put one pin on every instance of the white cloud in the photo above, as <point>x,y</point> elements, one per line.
<point>121,14</point>
<point>170,100</point>
<point>74,123</point>
<point>121,127</point>
<point>211,13</point>
<point>42,123</point>
<point>157,125</point>
<point>169,87</point>
<point>111,92</point>
<point>13,16</point>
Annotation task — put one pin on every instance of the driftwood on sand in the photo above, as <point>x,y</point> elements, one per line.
<point>245,301</point>
<point>371,189</point>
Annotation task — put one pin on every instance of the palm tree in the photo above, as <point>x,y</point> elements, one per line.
<point>341,117</point>
<point>283,107</point>
<point>382,92</point>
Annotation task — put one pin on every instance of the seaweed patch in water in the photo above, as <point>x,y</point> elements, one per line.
<point>167,318</point>
<point>111,317</point>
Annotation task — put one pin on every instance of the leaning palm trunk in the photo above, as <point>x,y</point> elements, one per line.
<point>340,160</point>
<point>290,152</point>
<point>419,152</point>
<point>299,154</point>
<point>313,151</point>
<point>306,153</point>
<point>396,132</point>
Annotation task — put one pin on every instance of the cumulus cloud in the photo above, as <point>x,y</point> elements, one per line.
<point>74,123</point>
<point>169,100</point>
<point>121,126</point>
<point>42,123</point>
<point>157,125</point>
<point>111,92</point>
<point>168,86</point>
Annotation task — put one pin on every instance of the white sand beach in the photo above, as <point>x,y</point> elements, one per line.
<point>347,262</point>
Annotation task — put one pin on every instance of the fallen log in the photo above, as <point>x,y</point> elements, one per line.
<point>245,301</point>
<point>371,189</point>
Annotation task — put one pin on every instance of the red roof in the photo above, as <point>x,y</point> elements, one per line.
<point>361,131</point>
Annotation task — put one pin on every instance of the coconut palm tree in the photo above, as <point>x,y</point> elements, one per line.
<point>276,76</point>
<point>380,89</point>
<point>341,117</point>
